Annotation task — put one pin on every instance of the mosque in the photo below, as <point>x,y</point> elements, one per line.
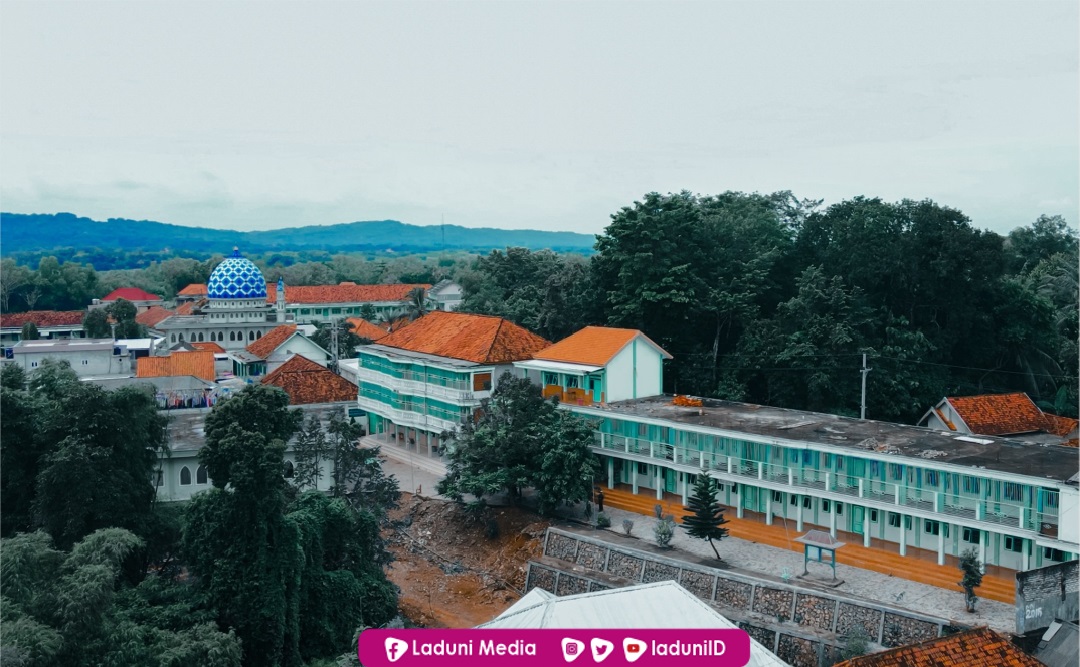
<point>236,312</point>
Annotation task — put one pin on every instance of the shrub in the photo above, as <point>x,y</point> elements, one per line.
<point>602,520</point>
<point>664,531</point>
<point>658,510</point>
<point>627,526</point>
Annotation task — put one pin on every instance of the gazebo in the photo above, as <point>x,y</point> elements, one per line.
<point>815,544</point>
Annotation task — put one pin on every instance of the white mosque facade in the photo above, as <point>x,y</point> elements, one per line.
<point>236,313</point>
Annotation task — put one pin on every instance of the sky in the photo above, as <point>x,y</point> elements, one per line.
<point>532,115</point>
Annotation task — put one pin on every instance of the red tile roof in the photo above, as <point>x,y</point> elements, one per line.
<point>152,315</point>
<point>189,307</point>
<point>1058,425</point>
<point>478,338</point>
<point>342,293</point>
<point>1006,414</point>
<point>365,329</point>
<point>131,294</point>
<point>594,346</point>
<point>981,647</point>
<point>194,289</point>
<point>307,382</point>
<point>43,318</point>
<point>273,339</point>
<point>212,347</point>
<point>199,363</point>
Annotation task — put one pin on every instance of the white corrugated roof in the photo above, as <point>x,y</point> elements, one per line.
<point>563,366</point>
<point>661,605</point>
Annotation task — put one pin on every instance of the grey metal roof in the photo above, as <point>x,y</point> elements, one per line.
<point>664,604</point>
<point>1060,646</point>
<point>1053,462</point>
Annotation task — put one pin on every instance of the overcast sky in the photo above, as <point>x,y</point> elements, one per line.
<point>548,115</point>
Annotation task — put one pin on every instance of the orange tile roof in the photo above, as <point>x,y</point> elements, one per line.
<point>1001,414</point>
<point>365,329</point>
<point>273,339</point>
<point>595,346</point>
<point>343,293</point>
<point>478,338</point>
<point>1058,425</point>
<point>130,294</point>
<point>194,289</point>
<point>199,363</point>
<point>43,318</point>
<point>152,315</point>
<point>189,307</point>
<point>211,347</point>
<point>307,382</point>
<point>981,647</point>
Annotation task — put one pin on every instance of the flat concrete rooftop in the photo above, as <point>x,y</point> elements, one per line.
<point>1016,456</point>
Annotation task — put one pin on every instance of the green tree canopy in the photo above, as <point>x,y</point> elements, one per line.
<point>706,516</point>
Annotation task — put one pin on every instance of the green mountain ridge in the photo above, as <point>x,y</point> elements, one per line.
<point>21,233</point>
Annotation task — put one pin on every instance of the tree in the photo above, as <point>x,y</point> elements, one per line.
<point>972,576</point>
<point>310,450</point>
<point>13,279</point>
<point>417,304</point>
<point>348,341</point>
<point>706,516</point>
<point>29,332</point>
<point>516,429</point>
<point>368,312</point>
<point>72,609</point>
<point>96,324</point>
<point>124,313</point>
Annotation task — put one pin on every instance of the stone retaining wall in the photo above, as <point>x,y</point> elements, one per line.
<point>813,609</point>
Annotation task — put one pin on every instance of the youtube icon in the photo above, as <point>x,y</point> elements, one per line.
<point>633,649</point>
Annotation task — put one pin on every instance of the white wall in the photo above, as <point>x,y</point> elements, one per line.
<point>1069,514</point>
<point>172,490</point>
<point>85,363</point>
<point>296,345</point>
<point>621,377</point>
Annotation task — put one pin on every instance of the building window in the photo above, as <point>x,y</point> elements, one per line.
<point>481,382</point>
<point>932,528</point>
<point>251,335</point>
<point>1014,543</point>
<point>734,489</point>
<point>873,516</point>
<point>971,484</point>
<point>185,476</point>
<point>794,500</point>
<point>258,335</point>
<point>897,470</point>
<point>1050,498</point>
<point>972,535</point>
<point>200,475</point>
<point>808,502</point>
<point>643,468</point>
<point>232,336</point>
<point>826,506</point>
<point>839,508</point>
<point>894,519</point>
<point>289,470</point>
<point>777,497</point>
<point>1012,491</point>
<point>1056,555</point>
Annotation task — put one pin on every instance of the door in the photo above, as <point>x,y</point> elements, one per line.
<point>858,513</point>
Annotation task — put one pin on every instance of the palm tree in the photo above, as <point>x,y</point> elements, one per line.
<point>417,305</point>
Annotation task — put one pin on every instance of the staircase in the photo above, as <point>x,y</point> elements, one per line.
<point>910,567</point>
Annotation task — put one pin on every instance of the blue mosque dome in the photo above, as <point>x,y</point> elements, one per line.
<point>236,278</point>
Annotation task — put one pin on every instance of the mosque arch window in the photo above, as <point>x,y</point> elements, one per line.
<point>232,336</point>
<point>251,335</point>
<point>258,335</point>
<point>172,338</point>
<point>181,336</point>
<point>200,337</point>
<point>200,475</point>
<point>185,476</point>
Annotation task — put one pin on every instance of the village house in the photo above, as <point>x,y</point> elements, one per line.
<point>51,325</point>
<point>88,357</point>
<point>1014,415</point>
<point>274,349</point>
<point>140,298</point>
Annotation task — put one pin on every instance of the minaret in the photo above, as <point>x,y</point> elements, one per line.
<point>281,299</point>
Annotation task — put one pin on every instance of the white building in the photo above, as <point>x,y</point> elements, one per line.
<point>445,295</point>
<point>265,355</point>
<point>87,357</point>
<point>598,365</point>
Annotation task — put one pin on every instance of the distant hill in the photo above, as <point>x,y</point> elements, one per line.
<point>20,233</point>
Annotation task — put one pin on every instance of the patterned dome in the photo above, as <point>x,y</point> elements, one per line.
<point>236,278</point>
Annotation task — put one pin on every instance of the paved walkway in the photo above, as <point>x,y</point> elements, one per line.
<point>869,573</point>
<point>415,471</point>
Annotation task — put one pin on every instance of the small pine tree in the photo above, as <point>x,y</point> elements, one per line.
<point>972,569</point>
<point>29,332</point>
<point>706,516</point>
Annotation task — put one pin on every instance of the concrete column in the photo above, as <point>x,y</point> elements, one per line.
<point>937,501</point>
<point>659,483</point>
<point>634,477</point>
<point>610,473</point>
<point>651,454</point>
<point>739,508</point>
<point>685,489</point>
<point>980,510</point>
<point>1027,555</point>
<point>897,494</point>
<point>768,508</point>
<point>860,488</point>
<point>903,535</point>
<point>828,481</point>
<point>761,470</point>
<point>941,544</point>
<point>427,441</point>
<point>983,536</point>
<point>832,519</point>
<point>1023,513</point>
<point>730,467</point>
<point>798,514</point>
<point>866,526</point>
<point>791,476</point>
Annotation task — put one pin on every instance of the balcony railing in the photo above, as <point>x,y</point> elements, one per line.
<point>414,387</point>
<point>572,395</point>
<point>886,493</point>
<point>429,422</point>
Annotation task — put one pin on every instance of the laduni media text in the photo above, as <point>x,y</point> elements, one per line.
<point>526,648</point>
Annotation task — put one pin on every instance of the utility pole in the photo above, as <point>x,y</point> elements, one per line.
<point>865,371</point>
<point>334,343</point>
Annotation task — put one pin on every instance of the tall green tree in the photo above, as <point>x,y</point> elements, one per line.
<point>706,516</point>
<point>29,332</point>
<point>123,312</point>
<point>516,429</point>
<point>96,324</point>
<point>972,577</point>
